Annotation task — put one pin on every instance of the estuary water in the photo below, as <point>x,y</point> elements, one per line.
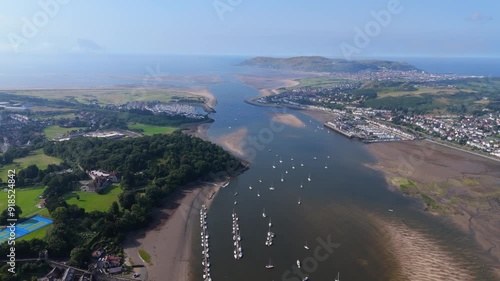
<point>343,213</point>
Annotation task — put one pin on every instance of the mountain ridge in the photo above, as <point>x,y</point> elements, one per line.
<point>323,64</point>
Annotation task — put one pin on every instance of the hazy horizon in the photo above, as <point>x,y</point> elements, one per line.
<point>334,29</point>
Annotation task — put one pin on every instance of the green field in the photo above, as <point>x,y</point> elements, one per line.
<point>36,157</point>
<point>27,199</point>
<point>92,201</point>
<point>395,92</point>
<point>60,116</point>
<point>150,129</point>
<point>53,132</point>
<point>145,256</point>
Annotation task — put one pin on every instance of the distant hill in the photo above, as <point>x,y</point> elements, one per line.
<point>322,64</point>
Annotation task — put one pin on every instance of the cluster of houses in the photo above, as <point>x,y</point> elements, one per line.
<point>100,181</point>
<point>480,132</point>
<point>110,263</point>
<point>171,109</point>
<point>336,95</point>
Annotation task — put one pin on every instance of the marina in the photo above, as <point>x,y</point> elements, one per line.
<point>238,252</point>
<point>204,244</point>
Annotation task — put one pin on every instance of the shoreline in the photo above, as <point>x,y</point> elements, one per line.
<point>478,224</point>
<point>168,238</point>
<point>450,184</point>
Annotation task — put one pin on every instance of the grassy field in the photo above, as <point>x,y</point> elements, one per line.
<point>145,256</point>
<point>92,201</point>
<point>395,92</point>
<point>40,108</point>
<point>60,116</point>
<point>110,96</point>
<point>36,157</point>
<point>151,130</point>
<point>27,199</point>
<point>320,82</point>
<point>53,132</point>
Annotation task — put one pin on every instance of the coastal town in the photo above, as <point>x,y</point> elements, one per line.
<point>350,100</point>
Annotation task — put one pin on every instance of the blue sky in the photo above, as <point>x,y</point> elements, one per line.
<point>456,28</point>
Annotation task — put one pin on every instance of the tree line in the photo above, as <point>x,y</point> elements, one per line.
<point>150,168</point>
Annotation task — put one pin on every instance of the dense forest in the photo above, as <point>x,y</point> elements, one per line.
<point>150,169</point>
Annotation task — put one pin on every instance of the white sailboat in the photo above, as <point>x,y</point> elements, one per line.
<point>306,247</point>
<point>293,167</point>
<point>301,164</point>
<point>270,224</point>
<point>315,157</point>
<point>309,177</point>
<point>299,201</point>
<point>326,166</point>
<point>274,166</point>
<point>281,161</point>
<point>264,213</point>
<point>298,263</point>
<point>258,194</point>
<point>301,186</point>
<point>260,180</point>
<point>282,179</point>
<point>338,277</point>
<point>250,187</point>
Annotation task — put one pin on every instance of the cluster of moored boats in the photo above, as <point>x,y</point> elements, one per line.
<point>238,253</point>
<point>270,234</point>
<point>204,244</point>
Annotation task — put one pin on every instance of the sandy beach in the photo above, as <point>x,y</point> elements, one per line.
<point>463,188</point>
<point>288,119</point>
<point>168,239</point>
<point>210,99</point>
<point>234,142</point>
<point>263,83</point>
<point>268,86</point>
<point>199,130</point>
